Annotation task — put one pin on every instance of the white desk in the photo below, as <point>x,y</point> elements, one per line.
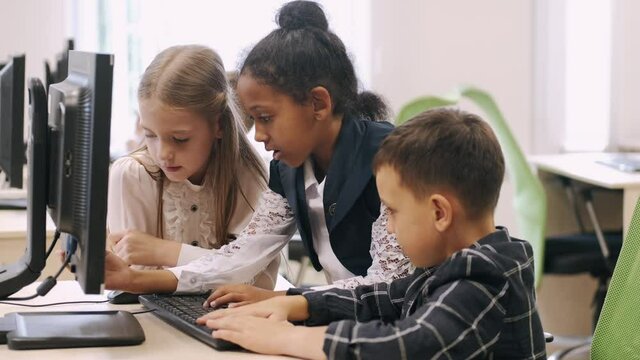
<point>583,167</point>
<point>162,340</point>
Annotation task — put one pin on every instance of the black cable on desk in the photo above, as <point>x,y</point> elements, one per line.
<point>56,236</point>
<point>56,303</point>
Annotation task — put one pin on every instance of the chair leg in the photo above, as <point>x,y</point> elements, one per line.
<point>588,201</point>
<point>603,281</point>
<point>598,299</point>
<point>571,196</point>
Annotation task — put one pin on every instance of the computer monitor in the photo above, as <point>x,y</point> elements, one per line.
<point>62,64</point>
<point>12,152</point>
<point>79,129</point>
<point>68,162</point>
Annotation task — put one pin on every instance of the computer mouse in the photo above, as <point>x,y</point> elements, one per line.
<point>122,297</point>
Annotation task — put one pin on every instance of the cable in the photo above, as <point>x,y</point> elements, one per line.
<point>54,304</point>
<point>56,236</point>
<point>142,312</point>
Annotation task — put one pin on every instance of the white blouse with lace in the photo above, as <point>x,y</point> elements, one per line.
<point>187,212</point>
<point>269,230</point>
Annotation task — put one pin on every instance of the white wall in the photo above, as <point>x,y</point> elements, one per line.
<point>625,112</point>
<point>430,46</point>
<point>35,28</point>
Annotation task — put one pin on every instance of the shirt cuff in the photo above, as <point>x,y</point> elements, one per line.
<point>318,309</point>
<point>295,291</point>
<point>187,282</point>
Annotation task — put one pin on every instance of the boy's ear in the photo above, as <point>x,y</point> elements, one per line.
<point>442,211</point>
<point>321,101</point>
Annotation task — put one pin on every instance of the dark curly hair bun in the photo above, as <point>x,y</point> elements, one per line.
<point>302,14</point>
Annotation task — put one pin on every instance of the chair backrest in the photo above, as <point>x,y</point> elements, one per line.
<point>530,201</point>
<point>617,335</point>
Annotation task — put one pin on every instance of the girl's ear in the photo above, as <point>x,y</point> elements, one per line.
<point>217,128</point>
<point>321,101</point>
<point>442,211</point>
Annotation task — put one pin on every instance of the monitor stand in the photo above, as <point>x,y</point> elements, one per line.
<point>48,330</point>
<point>27,269</point>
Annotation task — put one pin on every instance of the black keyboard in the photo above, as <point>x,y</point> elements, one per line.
<point>181,312</point>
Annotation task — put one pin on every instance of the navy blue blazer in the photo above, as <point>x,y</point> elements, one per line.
<point>351,200</point>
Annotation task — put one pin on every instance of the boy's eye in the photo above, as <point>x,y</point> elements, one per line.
<point>180,140</point>
<point>147,135</point>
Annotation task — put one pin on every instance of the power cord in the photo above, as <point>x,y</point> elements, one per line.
<point>53,304</point>
<point>56,236</point>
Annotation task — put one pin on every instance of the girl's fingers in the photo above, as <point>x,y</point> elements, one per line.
<point>226,299</point>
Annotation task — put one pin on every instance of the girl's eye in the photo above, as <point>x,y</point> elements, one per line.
<point>149,135</point>
<point>264,118</point>
<point>180,141</point>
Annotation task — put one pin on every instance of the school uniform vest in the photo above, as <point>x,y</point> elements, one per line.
<point>350,197</point>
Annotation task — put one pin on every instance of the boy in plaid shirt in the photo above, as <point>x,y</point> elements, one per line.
<point>472,295</point>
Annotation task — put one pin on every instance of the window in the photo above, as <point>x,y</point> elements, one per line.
<point>588,74</point>
<point>573,75</point>
<point>136,30</point>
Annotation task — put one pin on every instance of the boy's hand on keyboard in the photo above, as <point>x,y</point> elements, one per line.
<point>253,333</point>
<point>238,295</point>
<point>272,337</point>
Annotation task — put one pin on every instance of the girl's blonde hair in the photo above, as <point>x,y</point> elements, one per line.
<point>192,78</point>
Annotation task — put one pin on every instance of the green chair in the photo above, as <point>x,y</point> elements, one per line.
<point>530,202</point>
<point>616,335</point>
<point>565,254</point>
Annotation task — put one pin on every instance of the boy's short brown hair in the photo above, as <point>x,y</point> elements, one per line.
<point>447,148</point>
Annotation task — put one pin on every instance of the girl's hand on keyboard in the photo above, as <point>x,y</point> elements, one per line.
<point>238,295</point>
<point>293,308</point>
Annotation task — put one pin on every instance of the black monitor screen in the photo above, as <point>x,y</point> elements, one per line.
<point>12,152</point>
<point>79,127</point>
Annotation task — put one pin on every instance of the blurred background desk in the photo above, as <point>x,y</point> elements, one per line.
<point>584,167</point>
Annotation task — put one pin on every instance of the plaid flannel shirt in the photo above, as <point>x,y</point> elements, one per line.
<point>479,303</point>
